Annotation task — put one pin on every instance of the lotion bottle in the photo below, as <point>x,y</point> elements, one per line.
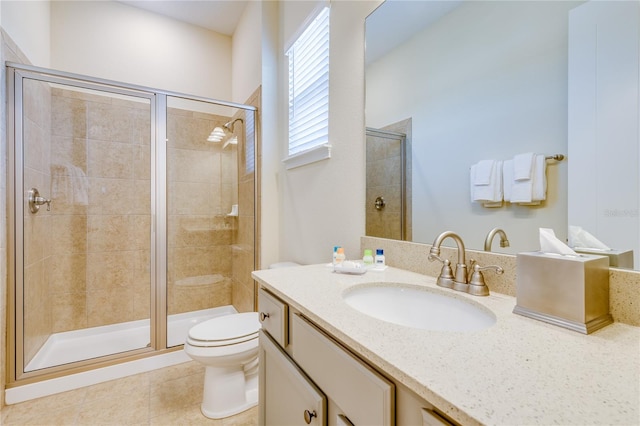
<point>367,259</point>
<point>379,258</point>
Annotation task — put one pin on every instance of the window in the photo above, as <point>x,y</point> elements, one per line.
<point>309,94</point>
<point>250,136</point>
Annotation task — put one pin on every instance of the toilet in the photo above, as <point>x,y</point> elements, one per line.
<point>228,347</point>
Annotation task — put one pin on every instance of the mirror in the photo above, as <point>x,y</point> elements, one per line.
<point>493,79</point>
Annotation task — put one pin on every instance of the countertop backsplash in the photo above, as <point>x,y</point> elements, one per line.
<point>624,285</point>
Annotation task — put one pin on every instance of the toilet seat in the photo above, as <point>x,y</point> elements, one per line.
<point>225,330</point>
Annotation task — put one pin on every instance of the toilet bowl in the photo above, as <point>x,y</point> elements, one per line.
<point>228,347</point>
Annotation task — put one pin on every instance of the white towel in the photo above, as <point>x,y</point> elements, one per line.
<point>507,179</point>
<point>80,186</point>
<point>490,195</point>
<point>523,166</point>
<point>69,184</point>
<point>540,178</point>
<point>484,172</point>
<point>534,190</point>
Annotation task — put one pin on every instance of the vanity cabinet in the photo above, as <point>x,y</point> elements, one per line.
<point>287,396</point>
<point>306,376</point>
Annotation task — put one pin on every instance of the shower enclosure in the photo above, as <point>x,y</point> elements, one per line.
<point>130,222</point>
<point>388,182</point>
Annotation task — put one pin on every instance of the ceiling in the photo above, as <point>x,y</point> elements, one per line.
<point>221,16</point>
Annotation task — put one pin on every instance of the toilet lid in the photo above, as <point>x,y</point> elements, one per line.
<point>227,328</point>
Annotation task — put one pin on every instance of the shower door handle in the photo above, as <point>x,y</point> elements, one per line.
<point>35,201</point>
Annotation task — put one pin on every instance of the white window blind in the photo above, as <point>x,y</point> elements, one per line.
<point>309,87</point>
<point>250,132</point>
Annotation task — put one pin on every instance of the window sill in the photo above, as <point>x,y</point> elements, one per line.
<point>309,156</point>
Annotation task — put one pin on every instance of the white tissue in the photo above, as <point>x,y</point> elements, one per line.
<point>549,243</point>
<point>580,238</point>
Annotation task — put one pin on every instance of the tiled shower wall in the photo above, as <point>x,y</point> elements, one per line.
<point>100,228</point>
<point>37,244</point>
<point>384,179</point>
<point>202,188</point>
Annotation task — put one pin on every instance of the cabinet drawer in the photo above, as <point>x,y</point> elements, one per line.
<point>274,317</point>
<point>364,396</point>
<point>287,396</point>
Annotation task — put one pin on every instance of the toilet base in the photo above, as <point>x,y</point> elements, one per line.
<point>252,401</point>
<point>228,394</point>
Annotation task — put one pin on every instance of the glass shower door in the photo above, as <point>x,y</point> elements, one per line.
<point>203,141</point>
<point>85,269</point>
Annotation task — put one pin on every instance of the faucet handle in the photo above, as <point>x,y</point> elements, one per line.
<point>446,277</point>
<point>477,286</point>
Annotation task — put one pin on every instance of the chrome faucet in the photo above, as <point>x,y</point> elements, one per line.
<point>472,283</point>
<point>447,279</point>
<point>504,242</point>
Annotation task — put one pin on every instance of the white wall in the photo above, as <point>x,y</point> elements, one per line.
<point>246,53</point>
<point>323,203</point>
<point>604,112</point>
<point>28,25</point>
<point>468,104</point>
<point>270,196</point>
<point>111,40</point>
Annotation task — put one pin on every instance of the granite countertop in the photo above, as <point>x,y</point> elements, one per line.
<point>518,371</point>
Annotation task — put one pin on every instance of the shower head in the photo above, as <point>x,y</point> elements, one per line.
<point>219,132</point>
<point>230,125</point>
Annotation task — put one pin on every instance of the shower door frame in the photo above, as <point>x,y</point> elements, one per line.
<point>159,256</point>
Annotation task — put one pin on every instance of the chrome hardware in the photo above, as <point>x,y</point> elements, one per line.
<point>35,201</point>
<point>446,274</point>
<point>309,415</point>
<point>477,286</point>
<point>460,278</point>
<point>474,282</point>
<point>379,203</point>
<point>504,242</point>
<point>263,316</point>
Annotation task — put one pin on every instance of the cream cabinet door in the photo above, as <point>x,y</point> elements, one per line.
<point>287,396</point>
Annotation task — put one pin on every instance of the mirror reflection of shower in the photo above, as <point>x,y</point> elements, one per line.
<point>219,133</point>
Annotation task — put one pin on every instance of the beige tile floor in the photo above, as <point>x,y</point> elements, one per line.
<point>168,396</point>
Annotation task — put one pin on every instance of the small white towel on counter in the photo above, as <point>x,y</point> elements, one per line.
<point>489,194</point>
<point>529,191</point>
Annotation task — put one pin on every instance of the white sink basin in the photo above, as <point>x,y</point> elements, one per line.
<point>418,307</point>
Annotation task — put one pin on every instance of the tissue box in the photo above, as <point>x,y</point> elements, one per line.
<point>568,291</point>
<point>617,258</point>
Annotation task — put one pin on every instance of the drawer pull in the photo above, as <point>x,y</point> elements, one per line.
<point>263,316</point>
<point>309,415</point>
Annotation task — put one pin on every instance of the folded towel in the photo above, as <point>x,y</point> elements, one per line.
<point>491,193</point>
<point>540,178</point>
<point>69,184</point>
<point>533,190</point>
<point>507,179</point>
<point>484,171</point>
<point>523,166</point>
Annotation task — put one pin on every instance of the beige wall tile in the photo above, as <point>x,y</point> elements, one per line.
<point>68,311</point>
<point>69,234</point>
<point>111,306</point>
<point>110,159</point>
<point>67,273</point>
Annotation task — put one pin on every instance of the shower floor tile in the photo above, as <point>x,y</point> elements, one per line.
<point>167,396</point>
